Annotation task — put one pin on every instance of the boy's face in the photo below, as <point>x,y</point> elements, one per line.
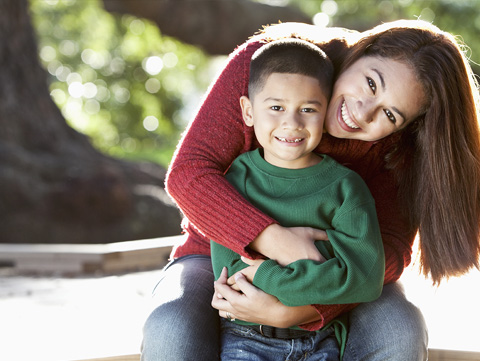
<point>287,115</point>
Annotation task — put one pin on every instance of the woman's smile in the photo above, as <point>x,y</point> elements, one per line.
<point>347,119</point>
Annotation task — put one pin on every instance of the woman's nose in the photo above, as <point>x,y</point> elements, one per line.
<point>364,109</point>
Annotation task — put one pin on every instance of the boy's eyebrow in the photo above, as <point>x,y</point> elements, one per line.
<point>314,101</point>
<point>384,87</point>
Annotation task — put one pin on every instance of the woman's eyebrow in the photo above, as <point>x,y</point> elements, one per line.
<point>380,75</point>
<point>384,87</point>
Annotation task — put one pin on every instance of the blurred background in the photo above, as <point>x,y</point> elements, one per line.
<point>94,96</point>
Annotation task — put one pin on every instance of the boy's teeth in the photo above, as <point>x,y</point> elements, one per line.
<point>347,119</point>
<point>297,140</point>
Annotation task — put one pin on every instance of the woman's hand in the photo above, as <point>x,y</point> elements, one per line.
<point>287,245</point>
<point>253,305</point>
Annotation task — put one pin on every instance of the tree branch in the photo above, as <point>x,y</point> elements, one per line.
<point>216,26</point>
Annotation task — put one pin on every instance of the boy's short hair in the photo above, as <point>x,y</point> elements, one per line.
<point>291,56</point>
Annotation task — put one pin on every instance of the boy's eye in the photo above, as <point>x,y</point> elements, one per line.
<point>390,116</point>
<point>307,110</point>
<point>372,85</point>
<point>277,108</point>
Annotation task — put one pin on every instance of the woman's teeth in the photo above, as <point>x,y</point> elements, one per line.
<point>346,118</point>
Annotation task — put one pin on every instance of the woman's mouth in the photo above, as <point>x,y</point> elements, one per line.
<point>346,117</point>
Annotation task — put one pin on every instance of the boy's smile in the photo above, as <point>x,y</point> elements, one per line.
<point>287,115</point>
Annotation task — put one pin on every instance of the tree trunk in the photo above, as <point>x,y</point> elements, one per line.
<point>217,26</point>
<point>54,186</point>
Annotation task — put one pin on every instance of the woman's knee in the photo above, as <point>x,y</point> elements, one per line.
<point>183,325</point>
<point>390,328</point>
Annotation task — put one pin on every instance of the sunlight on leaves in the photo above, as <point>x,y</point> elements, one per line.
<point>117,79</point>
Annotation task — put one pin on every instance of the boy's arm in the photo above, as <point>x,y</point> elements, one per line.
<point>355,273</point>
<point>224,257</point>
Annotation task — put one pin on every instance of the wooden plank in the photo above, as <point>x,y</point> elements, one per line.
<point>433,355</point>
<point>116,358</point>
<point>88,258</point>
<point>452,355</point>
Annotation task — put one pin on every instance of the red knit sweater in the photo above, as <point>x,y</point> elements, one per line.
<point>214,210</point>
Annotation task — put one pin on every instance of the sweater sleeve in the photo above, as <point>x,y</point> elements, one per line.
<point>354,270</point>
<point>217,135</point>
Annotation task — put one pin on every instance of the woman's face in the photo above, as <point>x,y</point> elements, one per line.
<point>373,98</point>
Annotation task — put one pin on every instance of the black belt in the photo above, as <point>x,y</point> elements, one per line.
<point>283,333</point>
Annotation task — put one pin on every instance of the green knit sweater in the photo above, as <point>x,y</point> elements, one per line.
<point>326,196</point>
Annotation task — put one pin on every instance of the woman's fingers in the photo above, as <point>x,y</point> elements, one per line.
<point>244,285</point>
<point>222,289</point>
<point>224,293</point>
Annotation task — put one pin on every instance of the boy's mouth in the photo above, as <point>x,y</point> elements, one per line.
<point>289,140</point>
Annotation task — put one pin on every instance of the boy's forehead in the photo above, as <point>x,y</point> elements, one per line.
<point>284,86</point>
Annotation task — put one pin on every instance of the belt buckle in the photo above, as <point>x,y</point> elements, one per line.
<point>261,330</point>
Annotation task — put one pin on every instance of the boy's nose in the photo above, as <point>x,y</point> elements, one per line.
<point>292,121</point>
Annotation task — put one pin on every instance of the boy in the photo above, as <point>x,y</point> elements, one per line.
<point>289,88</point>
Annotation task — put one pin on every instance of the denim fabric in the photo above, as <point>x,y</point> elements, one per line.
<point>390,328</point>
<point>185,327</point>
<point>241,343</point>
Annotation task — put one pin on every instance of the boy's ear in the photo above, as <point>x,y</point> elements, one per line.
<point>247,110</point>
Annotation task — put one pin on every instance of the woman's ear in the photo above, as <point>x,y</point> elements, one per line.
<point>247,110</point>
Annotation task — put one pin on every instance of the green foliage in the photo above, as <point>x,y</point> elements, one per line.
<point>459,17</point>
<point>117,79</point>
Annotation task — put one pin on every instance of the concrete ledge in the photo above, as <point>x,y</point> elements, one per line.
<point>72,259</point>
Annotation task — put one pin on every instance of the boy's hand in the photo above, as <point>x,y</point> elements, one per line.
<point>248,272</point>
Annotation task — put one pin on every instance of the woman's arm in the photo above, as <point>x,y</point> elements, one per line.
<point>195,178</point>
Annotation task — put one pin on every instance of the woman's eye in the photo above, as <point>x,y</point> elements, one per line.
<point>390,116</point>
<point>372,85</point>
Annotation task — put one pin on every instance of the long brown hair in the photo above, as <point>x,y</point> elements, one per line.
<point>437,157</point>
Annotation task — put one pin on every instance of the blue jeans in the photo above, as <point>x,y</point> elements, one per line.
<point>241,343</point>
<point>185,327</point>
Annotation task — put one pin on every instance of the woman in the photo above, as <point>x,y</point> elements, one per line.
<point>414,140</point>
